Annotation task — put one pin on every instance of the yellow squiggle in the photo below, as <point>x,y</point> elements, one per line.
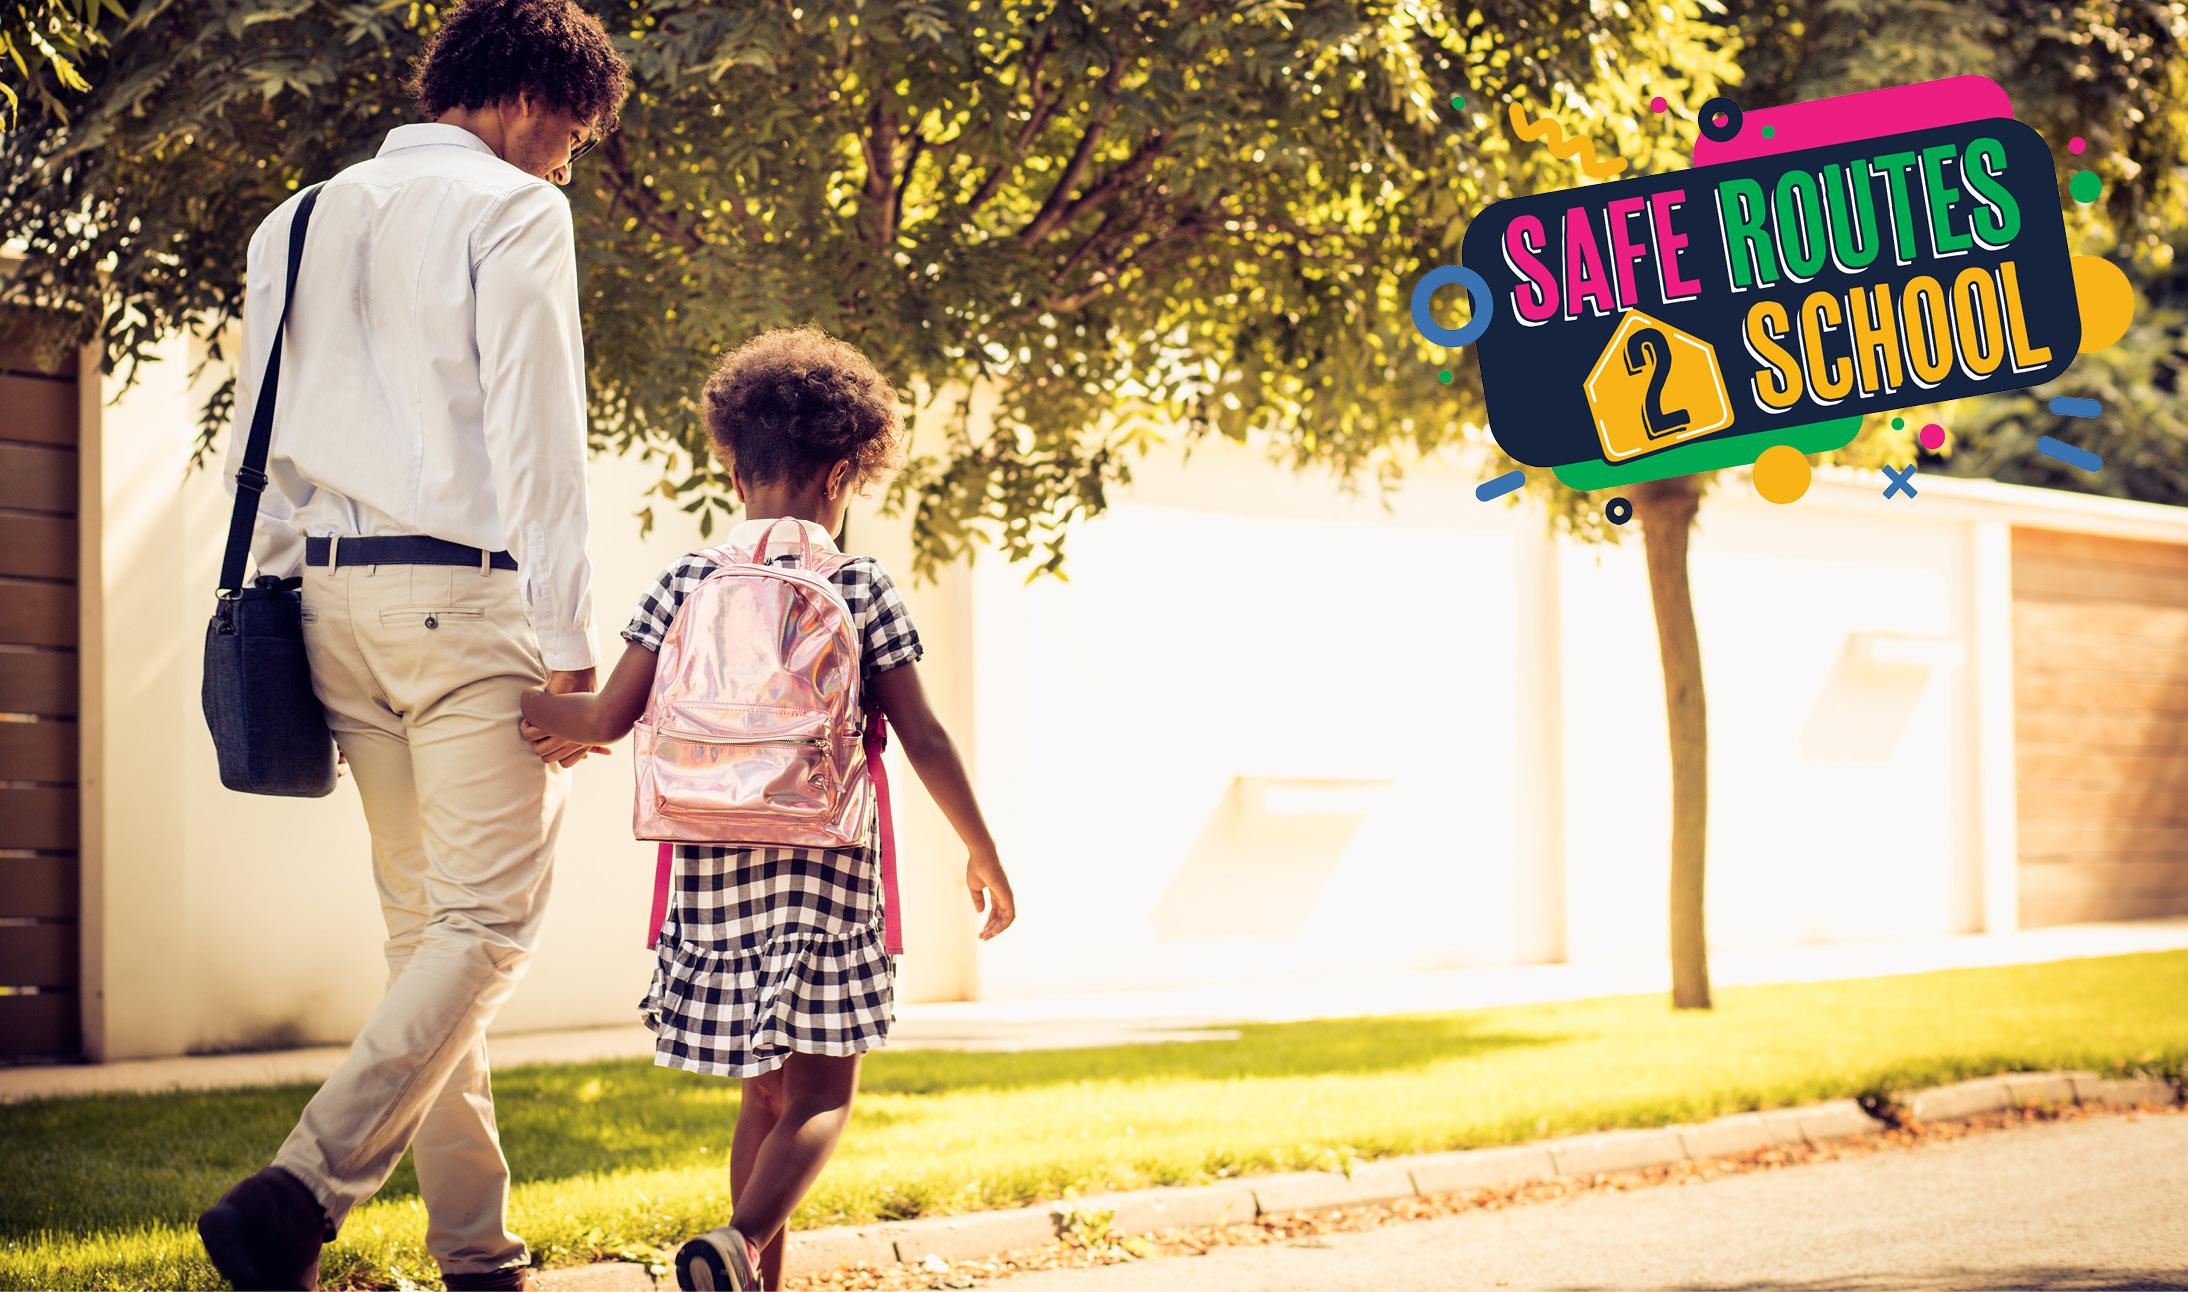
<point>1560,146</point>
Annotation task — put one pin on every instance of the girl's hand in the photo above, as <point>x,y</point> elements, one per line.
<point>990,892</point>
<point>550,747</point>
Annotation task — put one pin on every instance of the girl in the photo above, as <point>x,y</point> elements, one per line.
<point>771,963</point>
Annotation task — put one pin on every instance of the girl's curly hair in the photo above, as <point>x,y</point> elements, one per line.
<point>789,404</point>
<point>489,51</point>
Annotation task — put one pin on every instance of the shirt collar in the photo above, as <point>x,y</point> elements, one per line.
<point>428,134</point>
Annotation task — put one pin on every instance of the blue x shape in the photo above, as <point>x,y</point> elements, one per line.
<point>1901,479</point>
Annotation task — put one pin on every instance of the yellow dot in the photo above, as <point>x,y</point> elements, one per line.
<point>1781,474</point>
<point>2107,302</point>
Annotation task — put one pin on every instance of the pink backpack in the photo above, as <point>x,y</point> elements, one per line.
<point>754,732</point>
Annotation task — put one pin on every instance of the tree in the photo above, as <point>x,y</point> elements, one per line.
<point>2142,435</point>
<point>43,41</point>
<point>2115,73</point>
<point>1121,217</point>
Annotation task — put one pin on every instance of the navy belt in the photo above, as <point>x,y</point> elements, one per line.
<point>400,549</point>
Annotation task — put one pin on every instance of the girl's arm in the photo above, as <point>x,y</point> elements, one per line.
<point>928,748</point>
<point>593,717</point>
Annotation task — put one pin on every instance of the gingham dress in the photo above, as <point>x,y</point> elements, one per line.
<point>769,950</point>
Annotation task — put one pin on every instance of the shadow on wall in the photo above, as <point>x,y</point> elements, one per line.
<point>1264,858</point>
<point>1871,695</point>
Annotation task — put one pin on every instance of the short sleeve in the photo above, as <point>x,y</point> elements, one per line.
<point>649,626</point>
<point>884,621</point>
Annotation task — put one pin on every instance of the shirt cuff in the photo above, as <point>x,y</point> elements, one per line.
<point>569,652</point>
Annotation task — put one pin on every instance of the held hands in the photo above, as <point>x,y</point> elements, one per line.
<point>990,892</point>
<point>549,747</point>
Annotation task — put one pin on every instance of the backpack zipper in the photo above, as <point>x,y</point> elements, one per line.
<point>818,742</point>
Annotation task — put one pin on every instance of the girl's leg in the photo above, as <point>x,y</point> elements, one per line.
<point>759,1104</point>
<point>812,1104</point>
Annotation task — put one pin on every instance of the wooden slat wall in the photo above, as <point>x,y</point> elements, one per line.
<point>40,871</point>
<point>2100,647</point>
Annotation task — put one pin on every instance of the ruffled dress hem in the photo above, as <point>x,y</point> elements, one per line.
<point>742,1013</point>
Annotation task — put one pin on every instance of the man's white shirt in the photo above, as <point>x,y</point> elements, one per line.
<point>433,376</point>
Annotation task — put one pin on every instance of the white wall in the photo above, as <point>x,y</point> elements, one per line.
<point>1230,621</point>
<point>1227,621</point>
<point>1838,788</point>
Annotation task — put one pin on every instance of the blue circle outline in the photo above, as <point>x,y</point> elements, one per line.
<point>1477,293</point>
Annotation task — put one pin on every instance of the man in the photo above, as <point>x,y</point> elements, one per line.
<point>428,481</point>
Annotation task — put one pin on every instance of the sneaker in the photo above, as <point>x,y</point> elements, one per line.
<point>265,1233</point>
<point>721,1260</point>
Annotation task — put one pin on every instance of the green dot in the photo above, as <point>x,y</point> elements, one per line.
<point>1444,376</point>
<point>1770,132</point>
<point>2085,186</point>
<point>1458,100</point>
<point>1899,423</point>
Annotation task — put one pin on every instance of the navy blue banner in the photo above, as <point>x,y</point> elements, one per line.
<point>1774,293</point>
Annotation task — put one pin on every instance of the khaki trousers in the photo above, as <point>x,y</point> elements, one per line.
<point>420,668</point>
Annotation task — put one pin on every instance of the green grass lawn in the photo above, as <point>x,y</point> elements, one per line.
<point>101,1192</point>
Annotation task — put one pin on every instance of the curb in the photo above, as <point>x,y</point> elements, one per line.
<point>1140,1211</point>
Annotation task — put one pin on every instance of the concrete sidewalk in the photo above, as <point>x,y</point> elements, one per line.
<point>2073,1204</point>
<point>979,1235</point>
<point>1189,1013</point>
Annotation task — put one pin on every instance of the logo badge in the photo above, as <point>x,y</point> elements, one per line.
<point>1654,386</point>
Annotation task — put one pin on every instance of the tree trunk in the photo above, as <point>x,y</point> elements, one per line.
<point>1666,511</point>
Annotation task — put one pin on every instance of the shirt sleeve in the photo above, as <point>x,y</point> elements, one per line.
<point>891,639</point>
<point>649,625</point>
<point>276,547</point>
<point>532,370</point>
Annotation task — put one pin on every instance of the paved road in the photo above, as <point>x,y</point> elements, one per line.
<point>2095,1204</point>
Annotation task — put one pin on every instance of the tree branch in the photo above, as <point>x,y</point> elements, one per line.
<point>879,145</point>
<point>1113,270</point>
<point>1055,214</point>
<point>1051,213</point>
<point>911,163</point>
<point>641,201</point>
<point>1043,110</point>
<point>1072,261</point>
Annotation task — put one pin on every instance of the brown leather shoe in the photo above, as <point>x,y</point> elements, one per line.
<point>516,1278</point>
<point>265,1234</point>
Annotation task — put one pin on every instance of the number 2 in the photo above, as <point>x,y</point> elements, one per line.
<point>1648,346</point>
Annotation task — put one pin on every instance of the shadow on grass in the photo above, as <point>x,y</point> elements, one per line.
<point>112,1162</point>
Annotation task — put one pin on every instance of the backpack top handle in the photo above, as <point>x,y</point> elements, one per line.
<point>805,543</point>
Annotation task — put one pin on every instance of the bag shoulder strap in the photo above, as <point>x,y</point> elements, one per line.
<point>251,476</point>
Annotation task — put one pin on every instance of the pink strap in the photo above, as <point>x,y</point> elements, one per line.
<point>892,927</point>
<point>660,894</point>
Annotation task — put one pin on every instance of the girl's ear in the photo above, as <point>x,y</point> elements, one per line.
<point>838,476</point>
<point>737,485</point>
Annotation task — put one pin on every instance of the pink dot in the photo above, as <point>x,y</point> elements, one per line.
<point>1657,104</point>
<point>2076,144</point>
<point>1933,435</point>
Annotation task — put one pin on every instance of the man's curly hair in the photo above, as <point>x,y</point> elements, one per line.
<point>489,51</point>
<point>788,405</point>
